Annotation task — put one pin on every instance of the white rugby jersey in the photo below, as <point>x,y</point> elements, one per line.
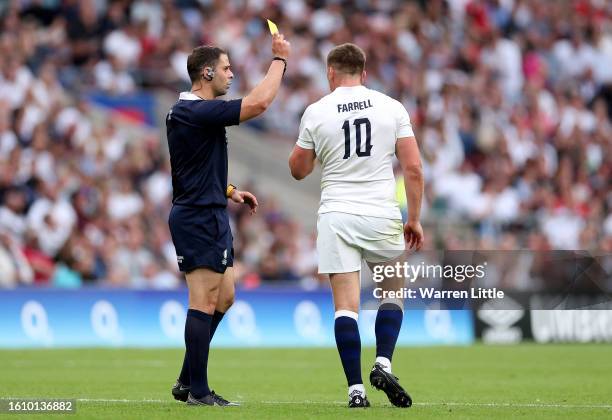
<point>353,132</point>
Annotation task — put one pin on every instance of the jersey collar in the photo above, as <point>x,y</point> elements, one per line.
<point>188,96</point>
<point>341,89</point>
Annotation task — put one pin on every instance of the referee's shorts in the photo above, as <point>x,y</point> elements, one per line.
<point>202,238</point>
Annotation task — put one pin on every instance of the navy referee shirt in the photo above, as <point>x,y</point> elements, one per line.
<point>198,149</point>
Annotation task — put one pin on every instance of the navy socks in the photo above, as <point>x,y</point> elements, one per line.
<point>349,345</point>
<point>387,328</point>
<point>184,376</point>
<point>197,344</point>
<point>216,319</point>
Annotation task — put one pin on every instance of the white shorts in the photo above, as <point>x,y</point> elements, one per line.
<point>345,239</point>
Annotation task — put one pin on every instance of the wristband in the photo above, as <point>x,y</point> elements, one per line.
<point>230,190</point>
<point>283,60</point>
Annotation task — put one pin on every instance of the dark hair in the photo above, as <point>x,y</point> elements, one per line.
<point>347,58</point>
<point>200,57</point>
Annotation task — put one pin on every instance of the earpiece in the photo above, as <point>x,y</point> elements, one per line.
<point>209,73</point>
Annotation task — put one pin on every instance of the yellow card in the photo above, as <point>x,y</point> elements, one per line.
<point>272,26</point>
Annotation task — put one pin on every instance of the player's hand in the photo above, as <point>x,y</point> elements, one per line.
<point>280,47</point>
<point>245,197</point>
<point>413,234</point>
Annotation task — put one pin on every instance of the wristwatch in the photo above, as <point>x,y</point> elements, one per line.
<point>283,60</point>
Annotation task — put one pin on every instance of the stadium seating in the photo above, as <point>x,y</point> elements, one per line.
<point>511,106</point>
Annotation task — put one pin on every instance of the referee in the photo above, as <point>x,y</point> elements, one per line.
<point>198,221</point>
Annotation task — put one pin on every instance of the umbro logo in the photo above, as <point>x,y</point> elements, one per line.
<point>180,259</point>
<point>224,260</point>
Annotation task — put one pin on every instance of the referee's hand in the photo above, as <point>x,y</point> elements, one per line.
<point>413,234</point>
<point>245,197</point>
<point>280,47</point>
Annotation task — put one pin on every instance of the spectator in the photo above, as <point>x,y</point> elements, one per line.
<point>510,100</point>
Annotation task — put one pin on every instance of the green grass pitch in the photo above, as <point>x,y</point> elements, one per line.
<point>524,381</point>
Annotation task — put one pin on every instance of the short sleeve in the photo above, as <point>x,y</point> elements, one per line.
<point>404,127</point>
<point>305,138</point>
<point>218,112</point>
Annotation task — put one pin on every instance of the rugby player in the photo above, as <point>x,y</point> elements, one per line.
<point>354,132</point>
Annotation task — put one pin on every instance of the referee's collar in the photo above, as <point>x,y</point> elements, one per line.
<point>188,96</point>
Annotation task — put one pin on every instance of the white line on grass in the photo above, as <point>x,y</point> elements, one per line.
<point>514,405</point>
<point>89,363</point>
<point>466,404</point>
<point>454,404</point>
<point>425,404</point>
<point>105,400</point>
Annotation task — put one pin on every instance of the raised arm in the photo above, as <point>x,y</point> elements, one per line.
<point>262,95</point>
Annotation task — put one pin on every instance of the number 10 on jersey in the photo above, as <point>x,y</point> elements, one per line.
<point>347,137</point>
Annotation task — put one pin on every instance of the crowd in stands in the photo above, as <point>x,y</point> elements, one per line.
<point>510,100</point>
